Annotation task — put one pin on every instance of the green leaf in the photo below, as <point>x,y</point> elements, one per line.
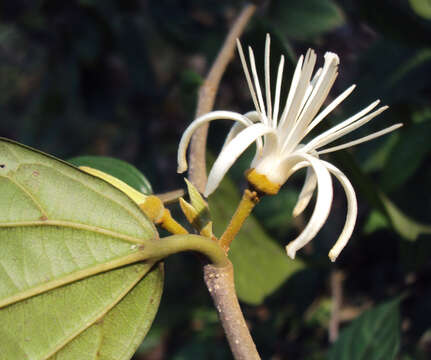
<point>406,155</point>
<point>305,19</point>
<point>406,227</point>
<point>117,168</point>
<point>261,265</point>
<point>376,221</point>
<point>401,78</point>
<point>71,286</point>
<point>422,8</point>
<point>375,335</point>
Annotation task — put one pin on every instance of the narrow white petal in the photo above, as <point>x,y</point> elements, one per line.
<point>342,129</point>
<point>362,139</point>
<point>316,77</point>
<point>352,212</point>
<point>320,89</point>
<point>257,85</point>
<point>247,75</point>
<point>294,85</point>
<point>306,193</point>
<point>349,128</point>
<point>355,117</point>
<point>187,135</point>
<point>232,151</point>
<point>267,79</point>
<point>337,101</point>
<point>277,92</point>
<point>289,118</point>
<point>321,209</point>
<point>299,130</point>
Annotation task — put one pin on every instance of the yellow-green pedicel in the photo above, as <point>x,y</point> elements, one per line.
<point>59,225</point>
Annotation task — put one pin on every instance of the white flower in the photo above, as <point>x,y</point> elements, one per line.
<point>280,151</point>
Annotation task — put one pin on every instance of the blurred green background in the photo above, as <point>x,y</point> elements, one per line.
<point>119,78</point>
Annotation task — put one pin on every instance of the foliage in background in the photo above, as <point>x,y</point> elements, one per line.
<point>119,79</point>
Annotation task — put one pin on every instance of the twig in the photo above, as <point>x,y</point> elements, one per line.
<point>206,97</point>
<point>337,298</point>
<point>220,283</point>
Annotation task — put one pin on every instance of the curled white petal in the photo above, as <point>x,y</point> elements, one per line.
<point>278,138</point>
<point>253,116</point>
<point>322,207</point>
<point>306,193</point>
<point>214,115</point>
<point>234,131</point>
<point>352,211</point>
<point>232,151</point>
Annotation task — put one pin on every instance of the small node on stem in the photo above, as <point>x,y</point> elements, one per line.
<point>153,207</point>
<point>197,212</point>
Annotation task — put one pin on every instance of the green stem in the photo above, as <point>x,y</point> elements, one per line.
<point>188,242</point>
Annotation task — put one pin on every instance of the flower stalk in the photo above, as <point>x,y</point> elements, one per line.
<point>248,202</point>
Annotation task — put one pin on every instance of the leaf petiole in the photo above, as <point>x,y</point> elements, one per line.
<point>158,250</point>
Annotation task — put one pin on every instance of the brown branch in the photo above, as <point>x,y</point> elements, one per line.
<point>220,280</point>
<point>221,286</point>
<point>206,98</point>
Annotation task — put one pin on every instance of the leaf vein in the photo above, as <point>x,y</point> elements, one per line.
<point>74,225</point>
<point>95,191</point>
<point>30,195</point>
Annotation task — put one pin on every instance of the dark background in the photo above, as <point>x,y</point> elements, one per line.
<point>119,78</point>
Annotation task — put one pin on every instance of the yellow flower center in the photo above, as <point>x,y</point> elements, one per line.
<point>261,183</point>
